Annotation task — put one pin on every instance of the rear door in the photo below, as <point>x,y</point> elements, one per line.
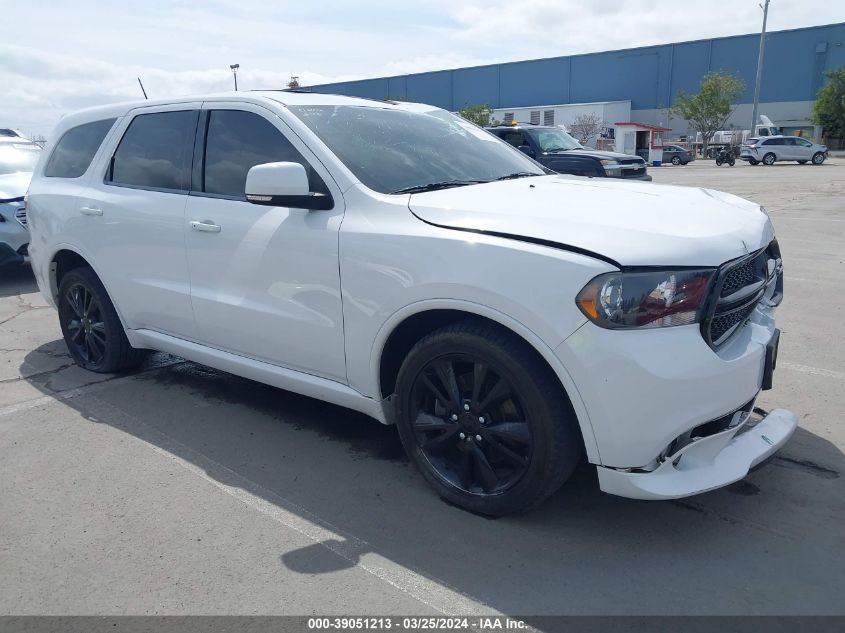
<point>265,281</point>
<point>134,216</point>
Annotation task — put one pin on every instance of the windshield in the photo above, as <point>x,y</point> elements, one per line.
<point>554,140</point>
<point>16,157</point>
<point>391,150</point>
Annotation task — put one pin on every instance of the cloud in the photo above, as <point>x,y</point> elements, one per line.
<point>90,52</point>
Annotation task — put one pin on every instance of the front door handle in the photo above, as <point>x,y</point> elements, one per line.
<point>90,211</point>
<point>205,226</point>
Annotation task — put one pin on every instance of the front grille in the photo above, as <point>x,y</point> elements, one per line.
<point>738,277</point>
<point>20,215</point>
<point>739,287</point>
<point>725,322</point>
<point>637,167</point>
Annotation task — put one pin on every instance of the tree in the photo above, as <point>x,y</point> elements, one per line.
<point>293,84</point>
<point>829,109</point>
<point>585,127</point>
<point>708,110</point>
<point>478,114</point>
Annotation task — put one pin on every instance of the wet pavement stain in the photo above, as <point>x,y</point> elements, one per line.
<point>365,437</point>
<point>745,488</point>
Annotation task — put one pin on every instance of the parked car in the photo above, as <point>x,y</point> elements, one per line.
<point>554,148</point>
<point>677,155</point>
<point>18,157</point>
<point>772,149</point>
<point>395,259</point>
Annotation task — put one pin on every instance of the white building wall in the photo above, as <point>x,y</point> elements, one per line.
<point>564,114</point>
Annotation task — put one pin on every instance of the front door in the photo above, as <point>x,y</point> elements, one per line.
<point>265,281</point>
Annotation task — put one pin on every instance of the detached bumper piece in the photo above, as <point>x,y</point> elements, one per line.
<point>705,464</point>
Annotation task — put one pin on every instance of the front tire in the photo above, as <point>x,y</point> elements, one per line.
<point>818,158</point>
<point>485,420</point>
<point>676,160</point>
<point>92,330</point>
<point>769,159</point>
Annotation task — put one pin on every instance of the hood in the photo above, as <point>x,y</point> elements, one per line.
<point>629,223</point>
<point>14,185</point>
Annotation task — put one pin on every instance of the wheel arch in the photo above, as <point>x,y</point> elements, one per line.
<point>66,258</point>
<point>407,326</point>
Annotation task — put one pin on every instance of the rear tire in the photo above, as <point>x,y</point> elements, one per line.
<point>92,330</point>
<point>769,159</point>
<point>818,158</point>
<point>485,420</point>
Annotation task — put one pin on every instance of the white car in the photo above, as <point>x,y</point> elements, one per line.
<point>395,259</point>
<point>771,149</point>
<point>18,157</point>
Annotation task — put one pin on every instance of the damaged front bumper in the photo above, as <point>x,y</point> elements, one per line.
<point>705,464</point>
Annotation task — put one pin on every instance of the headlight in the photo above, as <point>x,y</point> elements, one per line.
<point>628,300</point>
<point>608,162</point>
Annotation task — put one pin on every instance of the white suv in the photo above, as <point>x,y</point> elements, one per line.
<point>394,259</point>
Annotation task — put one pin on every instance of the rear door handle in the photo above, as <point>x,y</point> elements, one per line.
<point>205,226</point>
<point>90,211</point>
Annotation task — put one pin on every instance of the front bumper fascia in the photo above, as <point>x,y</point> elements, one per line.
<point>706,464</point>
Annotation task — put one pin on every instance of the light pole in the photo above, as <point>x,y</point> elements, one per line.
<point>765,7</point>
<point>235,67</point>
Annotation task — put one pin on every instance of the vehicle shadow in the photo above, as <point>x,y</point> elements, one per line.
<point>16,280</point>
<point>734,551</point>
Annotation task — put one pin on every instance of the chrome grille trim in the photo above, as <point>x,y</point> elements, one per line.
<point>20,216</point>
<point>740,286</point>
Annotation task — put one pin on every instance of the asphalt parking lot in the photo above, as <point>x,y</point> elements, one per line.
<point>183,490</point>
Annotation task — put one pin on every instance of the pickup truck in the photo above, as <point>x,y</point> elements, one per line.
<point>554,148</point>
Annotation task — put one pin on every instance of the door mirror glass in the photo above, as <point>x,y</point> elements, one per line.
<point>283,185</point>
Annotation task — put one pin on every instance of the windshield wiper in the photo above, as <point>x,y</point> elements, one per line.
<point>518,174</point>
<point>434,186</point>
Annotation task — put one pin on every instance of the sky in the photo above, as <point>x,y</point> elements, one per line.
<point>62,56</point>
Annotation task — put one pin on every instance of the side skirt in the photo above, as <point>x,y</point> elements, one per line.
<point>281,377</point>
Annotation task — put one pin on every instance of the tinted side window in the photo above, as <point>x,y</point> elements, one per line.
<point>238,140</point>
<point>75,150</point>
<point>156,151</point>
<point>515,138</point>
<point>774,141</point>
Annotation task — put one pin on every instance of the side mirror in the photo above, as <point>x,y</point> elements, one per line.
<point>283,185</point>
<point>526,149</point>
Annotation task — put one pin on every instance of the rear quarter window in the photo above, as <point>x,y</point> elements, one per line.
<point>75,150</point>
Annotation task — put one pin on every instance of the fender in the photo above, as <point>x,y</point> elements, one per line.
<point>504,320</point>
<point>54,290</point>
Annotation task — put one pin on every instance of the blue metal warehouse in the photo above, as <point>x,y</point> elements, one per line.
<point>649,77</point>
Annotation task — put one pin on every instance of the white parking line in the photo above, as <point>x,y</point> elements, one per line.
<point>432,592</point>
<point>814,371</point>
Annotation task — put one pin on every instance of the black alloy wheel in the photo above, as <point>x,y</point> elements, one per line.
<point>470,425</point>
<point>92,330</point>
<point>485,419</point>
<point>83,322</point>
